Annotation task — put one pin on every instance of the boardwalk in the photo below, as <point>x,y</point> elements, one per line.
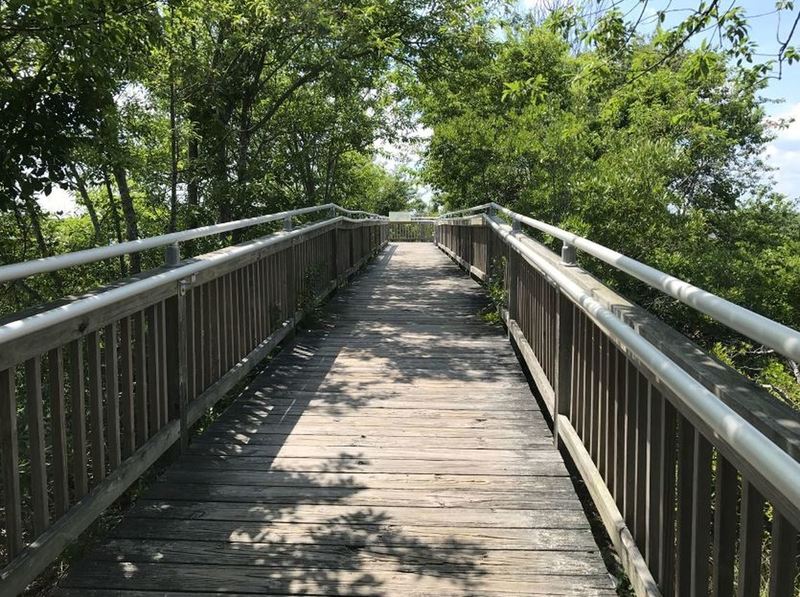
<point>397,450</point>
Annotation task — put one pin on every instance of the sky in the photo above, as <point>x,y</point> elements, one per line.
<point>782,154</point>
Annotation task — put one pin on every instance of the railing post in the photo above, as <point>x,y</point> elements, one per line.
<point>172,255</point>
<point>563,373</point>
<point>287,224</point>
<point>568,254</point>
<point>178,359</point>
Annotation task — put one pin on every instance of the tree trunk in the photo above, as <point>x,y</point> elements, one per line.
<point>88,204</point>
<point>32,209</point>
<point>112,207</point>
<point>128,211</point>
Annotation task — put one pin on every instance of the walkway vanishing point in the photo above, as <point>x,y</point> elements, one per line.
<point>396,448</point>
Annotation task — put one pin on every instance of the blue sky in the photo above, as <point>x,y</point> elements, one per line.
<point>783,153</point>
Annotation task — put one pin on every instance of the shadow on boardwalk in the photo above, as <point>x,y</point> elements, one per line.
<point>394,451</point>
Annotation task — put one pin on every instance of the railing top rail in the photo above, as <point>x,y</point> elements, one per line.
<point>16,271</point>
<point>777,336</point>
<point>38,321</point>
<point>767,460</point>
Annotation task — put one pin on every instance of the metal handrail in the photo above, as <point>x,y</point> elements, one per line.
<point>16,271</point>
<point>777,336</point>
<point>768,459</point>
<point>39,321</point>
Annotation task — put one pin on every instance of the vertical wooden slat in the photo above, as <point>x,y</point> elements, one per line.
<point>127,429</point>
<point>190,342</point>
<point>38,464</point>
<point>9,453</point>
<point>631,403</point>
<point>162,362</point>
<point>783,557</point>
<point>217,330</point>
<point>78,398</point>
<point>226,340</point>
<point>751,537</point>
<point>655,480</point>
<point>199,334</point>
<point>666,568</point>
<point>141,418</point>
<point>642,409</point>
<point>96,422</point>
<point>55,367</point>
<point>725,501</point>
<point>619,438</point>
<point>112,395</point>
<point>153,371</point>
<point>683,564</point>
<point>701,515</point>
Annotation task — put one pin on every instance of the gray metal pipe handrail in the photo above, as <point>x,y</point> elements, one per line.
<point>39,321</point>
<point>777,336</point>
<point>777,467</point>
<point>16,271</point>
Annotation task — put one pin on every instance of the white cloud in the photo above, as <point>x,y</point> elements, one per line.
<point>783,153</point>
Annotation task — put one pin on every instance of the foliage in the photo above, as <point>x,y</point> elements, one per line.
<point>664,165</point>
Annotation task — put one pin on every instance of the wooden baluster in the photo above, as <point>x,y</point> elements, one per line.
<point>141,418</point>
<point>783,558</point>
<point>686,478</point>
<point>9,453</point>
<point>191,389</point>
<point>55,366</point>
<point>564,361</point>
<point>631,403</point>
<point>751,537</point>
<point>162,362</point>
<point>78,397</point>
<point>112,395</point>
<point>38,464</point>
<point>726,495</point>
<point>655,480</point>
<point>701,515</point>
<point>666,567</point>
<point>128,443</point>
<point>153,371</point>
<point>97,446</point>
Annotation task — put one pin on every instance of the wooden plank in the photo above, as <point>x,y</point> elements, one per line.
<point>38,465</point>
<point>192,578</point>
<point>58,421</point>
<point>9,452</point>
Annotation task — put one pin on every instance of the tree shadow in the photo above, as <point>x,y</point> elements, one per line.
<point>235,514</point>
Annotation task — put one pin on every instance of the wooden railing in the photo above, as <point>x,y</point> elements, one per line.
<point>417,230</point>
<point>94,389</point>
<point>693,468</point>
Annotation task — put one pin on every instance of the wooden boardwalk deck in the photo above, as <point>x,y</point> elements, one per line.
<point>395,451</point>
